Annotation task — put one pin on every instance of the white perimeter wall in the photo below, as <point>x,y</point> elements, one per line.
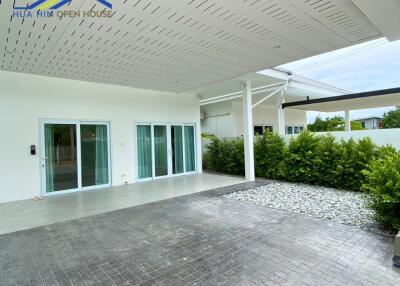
<point>24,99</point>
<point>380,137</point>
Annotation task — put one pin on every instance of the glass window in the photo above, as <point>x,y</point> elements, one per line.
<point>269,128</point>
<point>289,130</point>
<point>258,130</point>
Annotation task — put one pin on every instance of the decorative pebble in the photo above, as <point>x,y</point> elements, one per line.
<point>337,205</point>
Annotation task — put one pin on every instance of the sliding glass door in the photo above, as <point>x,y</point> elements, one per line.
<point>144,151</point>
<point>94,154</point>
<point>189,149</point>
<point>165,150</point>
<point>61,167</point>
<point>160,150</point>
<point>75,156</point>
<point>177,149</point>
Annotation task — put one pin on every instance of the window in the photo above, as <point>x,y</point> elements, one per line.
<point>294,129</point>
<point>258,130</point>
<point>269,128</point>
<point>261,129</point>
<point>363,124</point>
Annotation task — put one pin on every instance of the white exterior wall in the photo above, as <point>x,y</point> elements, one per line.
<point>218,119</point>
<point>380,137</point>
<point>372,123</point>
<point>24,99</point>
<point>266,115</point>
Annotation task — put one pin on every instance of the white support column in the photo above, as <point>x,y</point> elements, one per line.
<point>281,113</point>
<point>248,135</point>
<point>347,122</point>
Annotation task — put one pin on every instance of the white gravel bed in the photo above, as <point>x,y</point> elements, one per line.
<point>327,203</point>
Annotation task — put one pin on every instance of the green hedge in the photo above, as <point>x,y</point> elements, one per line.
<point>319,160</point>
<point>310,159</point>
<point>225,156</point>
<point>383,184</point>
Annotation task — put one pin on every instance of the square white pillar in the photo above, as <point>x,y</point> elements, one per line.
<point>248,135</point>
<point>280,113</point>
<point>347,122</point>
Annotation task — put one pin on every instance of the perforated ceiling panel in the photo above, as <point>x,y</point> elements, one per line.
<point>177,45</point>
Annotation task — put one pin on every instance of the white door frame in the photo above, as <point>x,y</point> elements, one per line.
<point>169,149</point>
<point>42,149</point>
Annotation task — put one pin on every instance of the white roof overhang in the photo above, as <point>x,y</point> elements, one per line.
<point>355,101</point>
<point>384,17</point>
<point>175,45</point>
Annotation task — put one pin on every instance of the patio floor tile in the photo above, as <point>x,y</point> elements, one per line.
<point>198,239</point>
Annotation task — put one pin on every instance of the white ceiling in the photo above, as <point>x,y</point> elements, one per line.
<point>178,45</point>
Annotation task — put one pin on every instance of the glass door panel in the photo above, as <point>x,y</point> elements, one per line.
<point>160,150</point>
<point>61,167</point>
<point>177,149</point>
<point>144,151</point>
<point>189,149</point>
<point>94,155</point>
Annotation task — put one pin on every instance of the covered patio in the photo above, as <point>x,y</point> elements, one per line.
<point>27,214</point>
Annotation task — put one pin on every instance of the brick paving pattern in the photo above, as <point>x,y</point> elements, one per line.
<point>199,239</point>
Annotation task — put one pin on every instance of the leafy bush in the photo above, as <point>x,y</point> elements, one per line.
<point>383,184</point>
<point>310,159</point>
<point>225,156</point>
<point>354,159</point>
<point>329,154</point>
<point>269,156</point>
<point>301,159</point>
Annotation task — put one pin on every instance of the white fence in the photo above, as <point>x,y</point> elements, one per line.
<point>380,137</point>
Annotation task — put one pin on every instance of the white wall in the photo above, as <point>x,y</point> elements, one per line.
<point>218,119</point>
<point>380,137</point>
<point>266,115</point>
<point>24,99</point>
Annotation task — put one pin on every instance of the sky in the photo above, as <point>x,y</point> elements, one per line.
<point>369,66</point>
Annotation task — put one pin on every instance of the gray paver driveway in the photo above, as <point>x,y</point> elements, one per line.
<point>200,239</point>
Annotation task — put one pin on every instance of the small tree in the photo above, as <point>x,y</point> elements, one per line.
<point>391,119</point>
<point>335,123</point>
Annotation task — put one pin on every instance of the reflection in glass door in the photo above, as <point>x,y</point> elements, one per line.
<point>143,133</point>
<point>160,150</point>
<point>190,162</point>
<point>61,167</point>
<point>75,156</point>
<point>177,149</point>
<point>94,154</point>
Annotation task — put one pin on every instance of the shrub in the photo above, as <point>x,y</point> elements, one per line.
<point>302,158</point>
<point>225,156</point>
<point>329,154</point>
<point>269,156</point>
<point>383,184</point>
<point>354,159</point>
